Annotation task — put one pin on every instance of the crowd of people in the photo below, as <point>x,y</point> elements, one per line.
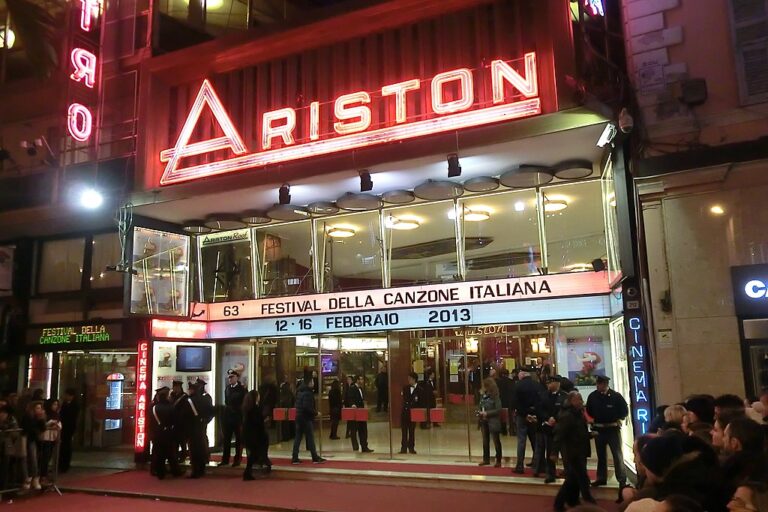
<point>31,425</point>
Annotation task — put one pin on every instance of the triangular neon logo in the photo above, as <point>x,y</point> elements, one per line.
<point>230,140</point>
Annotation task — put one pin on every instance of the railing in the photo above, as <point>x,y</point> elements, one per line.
<point>20,463</point>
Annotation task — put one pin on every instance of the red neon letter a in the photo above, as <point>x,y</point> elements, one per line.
<point>230,140</point>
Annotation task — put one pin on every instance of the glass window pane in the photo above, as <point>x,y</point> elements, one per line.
<point>584,352</point>
<point>285,259</point>
<point>227,273</point>
<point>501,235</point>
<point>422,244</point>
<point>350,250</point>
<point>161,264</point>
<point>61,265</point>
<point>574,226</point>
<point>611,222</point>
<point>106,252</point>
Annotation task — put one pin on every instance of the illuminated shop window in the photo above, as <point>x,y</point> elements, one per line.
<point>501,234</point>
<point>61,267</point>
<point>350,251</point>
<point>226,266</point>
<point>161,265</point>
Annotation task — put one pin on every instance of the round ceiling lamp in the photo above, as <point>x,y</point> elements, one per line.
<point>287,212</point>
<point>323,208</point>
<point>358,202</point>
<point>573,169</point>
<point>553,205</point>
<point>527,176</point>
<point>255,217</point>
<point>402,223</point>
<point>435,190</point>
<point>341,232</point>
<point>476,214</point>
<point>195,227</point>
<point>398,197</point>
<point>481,184</point>
<point>224,222</point>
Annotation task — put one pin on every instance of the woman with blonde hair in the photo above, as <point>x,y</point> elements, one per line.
<point>489,415</point>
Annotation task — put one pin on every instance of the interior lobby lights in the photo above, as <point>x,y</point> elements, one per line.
<point>552,205</point>
<point>717,210</point>
<point>402,223</point>
<point>341,232</point>
<point>474,214</point>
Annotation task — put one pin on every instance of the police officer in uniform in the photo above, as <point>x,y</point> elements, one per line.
<point>178,399</point>
<point>608,409</point>
<point>355,398</point>
<point>547,412</point>
<point>161,422</point>
<point>198,413</point>
<point>411,400</point>
<point>232,418</point>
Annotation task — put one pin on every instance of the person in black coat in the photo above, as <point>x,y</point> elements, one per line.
<point>411,400</point>
<point>334,407</point>
<point>355,398</point>
<point>572,439</point>
<point>429,390</point>
<point>178,399</point>
<point>549,407</point>
<point>197,413</point>
<point>527,394</point>
<point>506,389</point>
<point>382,389</point>
<point>609,409</point>
<point>255,435</point>
<point>284,399</point>
<point>70,411</point>
<point>232,419</point>
<point>161,424</point>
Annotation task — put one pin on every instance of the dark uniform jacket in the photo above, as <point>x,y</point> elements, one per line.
<point>572,437</point>
<point>382,381</point>
<point>305,403</point>
<point>550,405</point>
<point>334,402</point>
<point>354,397</point>
<point>606,408</point>
<point>233,402</point>
<point>161,419</point>
<point>527,396</point>
<point>506,389</point>
<point>428,387</point>
<point>411,400</point>
<point>199,411</point>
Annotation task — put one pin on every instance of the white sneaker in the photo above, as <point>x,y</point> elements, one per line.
<point>36,484</point>
<point>26,484</point>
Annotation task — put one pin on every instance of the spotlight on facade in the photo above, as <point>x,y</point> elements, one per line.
<point>366,183</point>
<point>285,194</point>
<point>91,199</point>
<point>454,169</point>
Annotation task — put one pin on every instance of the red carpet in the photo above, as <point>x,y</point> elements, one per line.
<point>89,503</point>
<point>313,495</point>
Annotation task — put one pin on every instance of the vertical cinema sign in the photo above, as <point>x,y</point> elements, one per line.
<point>83,62</point>
<point>142,379</point>
<point>452,101</point>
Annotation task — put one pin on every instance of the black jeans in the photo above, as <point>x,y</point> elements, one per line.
<point>408,441</point>
<point>382,401</point>
<point>198,449</point>
<point>44,455</point>
<point>487,434</point>
<point>230,427</point>
<point>335,418</point>
<point>304,429</point>
<point>576,481</point>
<point>164,448</point>
<point>545,453</point>
<point>258,454</point>
<point>65,451</point>
<point>359,429</point>
<point>611,438</point>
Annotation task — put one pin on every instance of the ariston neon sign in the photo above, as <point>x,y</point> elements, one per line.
<point>352,120</point>
<point>142,377</point>
<point>84,67</point>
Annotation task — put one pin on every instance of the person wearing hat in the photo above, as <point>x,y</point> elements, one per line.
<point>198,413</point>
<point>161,423</point>
<point>232,419</point>
<point>178,399</point>
<point>548,410</point>
<point>608,409</point>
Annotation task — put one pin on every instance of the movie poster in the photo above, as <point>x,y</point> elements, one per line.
<point>586,360</point>
<point>236,357</point>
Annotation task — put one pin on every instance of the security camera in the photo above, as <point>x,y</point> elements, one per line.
<point>626,121</point>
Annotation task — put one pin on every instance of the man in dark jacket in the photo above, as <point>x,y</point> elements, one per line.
<point>382,389</point>
<point>429,391</point>
<point>572,439</point>
<point>197,413</point>
<point>178,399</point>
<point>232,419</point>
<point>70,411</point>
<point>506,388</point>
<point>526,400</point>
<point>161,420</point>
<point>608,409</point>
<point>549,407</point>
<point>411,400</point>
<point>306,410</point>
<point>355,398</point>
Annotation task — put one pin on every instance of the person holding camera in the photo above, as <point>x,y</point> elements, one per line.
<point>489,415</point>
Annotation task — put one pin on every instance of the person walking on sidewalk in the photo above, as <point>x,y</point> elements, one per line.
<point>489,415</point>
<point>356,400</point>
<point>306,411</point>
<point>255,435</point>
<point>232,419</point>
<point>162,421</point>
<point>334,407</point>
<point>572,439</point>
<point>411,400</point>
<point>608,409</point>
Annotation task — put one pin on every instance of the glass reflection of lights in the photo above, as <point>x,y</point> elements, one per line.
<point>554,204</point>
<point>473,214</point>
<point>402,223</point>
<point>341,232</point>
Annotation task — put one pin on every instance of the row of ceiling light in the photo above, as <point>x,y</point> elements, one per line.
<point>521,177</point>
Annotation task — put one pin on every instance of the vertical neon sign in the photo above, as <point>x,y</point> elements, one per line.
<point>84,65</point>
<point>596,7</point>
<point>141,396</point>
<point>638,359</point>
